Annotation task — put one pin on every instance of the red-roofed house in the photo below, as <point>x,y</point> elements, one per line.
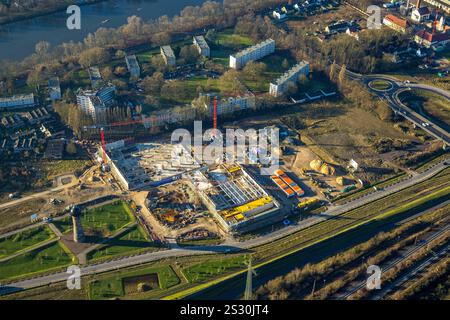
<point>428,39</point>
<point>395,23</point>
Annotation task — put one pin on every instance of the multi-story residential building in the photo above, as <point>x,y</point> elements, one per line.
<point>95,77</point>
<point>168,55</point>
<point>133,66</point>
<point>18,101</point>
<point>253,53</point>
<point>54,89</point>
<point>231,104</point>
<point>279,87</point>
<point>202,46</point>
<point>395,23</point>
<point>95,103</point>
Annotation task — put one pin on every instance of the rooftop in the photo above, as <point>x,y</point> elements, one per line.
<point>168,52</point>
<point>290,72</point>
<point>201,41</point>
<point>253,48</point>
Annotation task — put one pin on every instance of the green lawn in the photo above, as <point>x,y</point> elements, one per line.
<point>43,259</point>
<point>429,104</point>
<point>23,240</point>
<point>204,271</point>
<point>106,220</point>
<point>64,225</point>
<point>113,287</point>
<point>52,169</point>
<point>202,242</point>
<point>226,44</point>
<point>274,71</point>
<point>132,241</point>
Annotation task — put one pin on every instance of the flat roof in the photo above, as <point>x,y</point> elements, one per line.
<point>253,48</point>
<point>201,41</point>
<point>168,52</point>
<point>290,72</point>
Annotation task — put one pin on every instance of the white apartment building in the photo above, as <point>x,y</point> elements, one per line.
<point>279,87</point>
<point>18,101</point>
<point>202,46</point>
<point>256,52</point>
<point>168,55</point>
<point>231,104</point>
<point>54,89</point>
<point>95,103</point>
<point>133,66</point>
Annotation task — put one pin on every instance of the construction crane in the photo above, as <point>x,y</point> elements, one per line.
<point>105,165</point>
<point>102,137</point>
<point>215,113</point>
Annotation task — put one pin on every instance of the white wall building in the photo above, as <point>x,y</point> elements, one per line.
<point>133,66</point>
<point>168,55</point>
<point>279,87</point>
<point>256,52</point>
<point>231,104</point>
<point>95,103</point>
<point>18,101</point>
<point>202,46</point>
<point>54,89</point>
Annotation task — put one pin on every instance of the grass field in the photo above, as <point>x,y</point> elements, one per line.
<point>226,44</point>
<point>105,220</point>
<point>428,104</point>
<point>44,259</point>
<point>132,241</point>
<point>201,242</point>
<point>204,271</point>
<point>114,287</point>
<point>23,240</point>
<point>56,168</point>
<point>274,71</point>
<point>380,85</point>
<point>64,225</point>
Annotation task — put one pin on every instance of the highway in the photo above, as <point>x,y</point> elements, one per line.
<point>227,247</point>
<point>391,95</point>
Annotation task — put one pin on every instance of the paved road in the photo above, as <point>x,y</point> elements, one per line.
<point>392,97</point>
<point>229,245</point>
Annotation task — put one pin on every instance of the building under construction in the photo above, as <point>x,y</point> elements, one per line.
<point>148,164</point>
<point>235,199</point>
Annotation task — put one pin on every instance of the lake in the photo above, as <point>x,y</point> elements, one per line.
<point>18,39</point>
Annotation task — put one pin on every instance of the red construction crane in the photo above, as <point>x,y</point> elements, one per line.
<point>122,123</point>
<point>102,136</point>
<point>215,113</point>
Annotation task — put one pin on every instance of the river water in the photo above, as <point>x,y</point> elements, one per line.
<point>18,39</point>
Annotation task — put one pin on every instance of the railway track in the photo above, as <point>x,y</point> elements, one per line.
<point>361,284</point>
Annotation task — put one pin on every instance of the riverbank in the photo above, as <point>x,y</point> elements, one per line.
<point>33,14</point>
